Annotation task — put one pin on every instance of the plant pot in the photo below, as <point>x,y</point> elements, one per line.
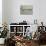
<point>2,40</point>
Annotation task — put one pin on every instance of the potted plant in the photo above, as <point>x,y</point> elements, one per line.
<point>3,34</point>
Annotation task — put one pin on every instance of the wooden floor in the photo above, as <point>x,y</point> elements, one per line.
<point>42,45</point>
<point>32,45</point>
<point>1,45</point>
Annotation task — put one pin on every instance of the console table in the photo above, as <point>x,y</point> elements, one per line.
<point>19,29</point>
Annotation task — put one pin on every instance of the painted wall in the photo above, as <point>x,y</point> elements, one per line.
<point>42,11</point>
<point>16,11</point>
<point>12,11</point>
<point>4,11</point>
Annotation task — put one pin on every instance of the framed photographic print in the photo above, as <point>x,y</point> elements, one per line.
<point>26,9</point>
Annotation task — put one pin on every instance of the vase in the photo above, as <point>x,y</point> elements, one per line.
<point>2,40</point>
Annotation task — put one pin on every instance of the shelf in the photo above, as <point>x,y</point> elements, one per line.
<point>19,32</point>
<point>16,32</point>
<point>19,25</point>
<point>12,32</point>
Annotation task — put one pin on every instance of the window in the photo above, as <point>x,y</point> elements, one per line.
<point>0,13</point>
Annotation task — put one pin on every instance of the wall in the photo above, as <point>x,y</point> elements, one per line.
<point>42,11</point>
<point>16,10</point>
<point>12,11</point>
<point>4,12</point>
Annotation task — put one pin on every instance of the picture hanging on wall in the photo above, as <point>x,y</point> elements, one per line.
<point>26,9</point>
